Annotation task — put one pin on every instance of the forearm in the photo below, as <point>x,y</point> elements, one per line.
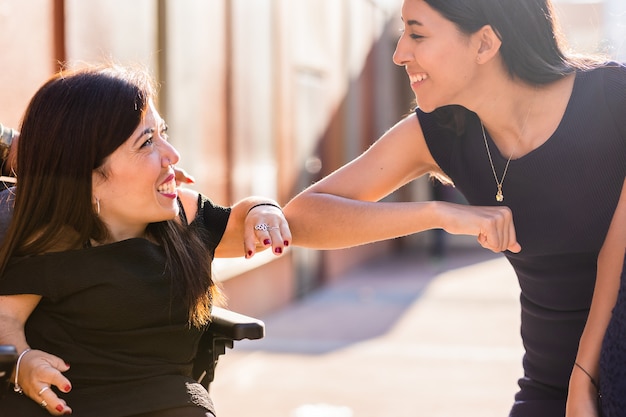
<point>329,221</point>
<point>325,221</point>
<point>14,311</point>
<point>12,333</point>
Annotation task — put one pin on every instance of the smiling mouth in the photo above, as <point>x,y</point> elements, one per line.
<point>168,187</point>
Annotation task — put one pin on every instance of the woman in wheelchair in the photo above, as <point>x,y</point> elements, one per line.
<point>105,271</point>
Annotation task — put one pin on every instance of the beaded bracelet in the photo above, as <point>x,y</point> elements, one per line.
<point>17,387</point>
<point>264,204</point>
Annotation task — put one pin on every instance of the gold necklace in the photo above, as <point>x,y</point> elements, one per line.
<point>499,195</point>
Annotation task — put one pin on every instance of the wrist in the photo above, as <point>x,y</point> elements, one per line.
<point>267,203</point>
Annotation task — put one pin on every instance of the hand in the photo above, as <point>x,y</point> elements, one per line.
<point>38,372</point>
<point>266,224</point>
<point>493,226</point>
<point>182,177</point>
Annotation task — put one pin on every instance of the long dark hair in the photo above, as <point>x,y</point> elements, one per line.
<point>72,124</point>
<point>533,49</point>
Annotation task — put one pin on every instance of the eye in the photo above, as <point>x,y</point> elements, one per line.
<point>148,141</point>
<point>412,35</point>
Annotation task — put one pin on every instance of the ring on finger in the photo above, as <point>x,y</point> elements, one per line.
<point>43,403</point>
<point>265,227</point>
<point>41,391</point>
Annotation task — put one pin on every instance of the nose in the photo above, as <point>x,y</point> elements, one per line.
<point>400,56</point>
<point>169,154</point>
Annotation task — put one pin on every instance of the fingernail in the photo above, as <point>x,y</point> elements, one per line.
<point>67,388</point>
<point>249,253</point>
<point>286,243</point>
<point>190,181</point>
<point>267,242</point>
<point>278,250</point>
<point>59,408</point>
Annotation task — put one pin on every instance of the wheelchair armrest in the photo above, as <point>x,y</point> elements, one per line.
<point>226,327</point>
<point>235,326</point>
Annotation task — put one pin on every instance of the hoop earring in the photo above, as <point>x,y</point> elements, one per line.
<point>97,207</point>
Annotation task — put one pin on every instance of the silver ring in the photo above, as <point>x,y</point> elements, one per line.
<point>44,404</point>
<point>265,227</point>
<point>41,391</point>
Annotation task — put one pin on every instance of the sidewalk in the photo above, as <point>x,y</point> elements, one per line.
<point>401,337</point>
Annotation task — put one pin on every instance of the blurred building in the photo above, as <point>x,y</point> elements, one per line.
<point>261,96</point>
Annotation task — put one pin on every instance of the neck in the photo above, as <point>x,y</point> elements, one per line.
<point>503,116</point>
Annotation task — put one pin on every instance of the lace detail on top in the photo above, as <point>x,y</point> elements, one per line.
<point>613,358</point>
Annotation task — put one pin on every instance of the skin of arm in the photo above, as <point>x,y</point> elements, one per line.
<point>581,400</point>
<point>240,237</point>
<point>342,209</point>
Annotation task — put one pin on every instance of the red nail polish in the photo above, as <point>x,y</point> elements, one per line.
<point>286,243</point>
<point>267,242</point>
<point>278,250</point>
<point>249,253</point>
<point>59,408</point>
<point>67,388</point>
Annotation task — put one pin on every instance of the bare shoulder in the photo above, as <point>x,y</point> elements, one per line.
<point>189,199</point>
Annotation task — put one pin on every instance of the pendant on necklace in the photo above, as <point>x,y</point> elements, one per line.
<point>499,195</point>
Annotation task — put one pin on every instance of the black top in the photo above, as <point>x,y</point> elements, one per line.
<point>562,195</point>
<point>108,312</point>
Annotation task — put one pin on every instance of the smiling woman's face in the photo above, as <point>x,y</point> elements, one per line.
<point>138,185</point>
<point>439,59</point>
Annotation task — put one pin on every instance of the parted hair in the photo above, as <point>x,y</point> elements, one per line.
<point>72,124</point>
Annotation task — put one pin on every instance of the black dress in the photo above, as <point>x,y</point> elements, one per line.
<point>562,195</point>
<point>108,311</point>
<point>613,357</point>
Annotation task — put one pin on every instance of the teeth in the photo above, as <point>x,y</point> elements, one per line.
<point>415,78</point>
<point>168,187</point>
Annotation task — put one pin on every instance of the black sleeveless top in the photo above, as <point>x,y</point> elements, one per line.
<point>562,195</point>
<point>108,311</point>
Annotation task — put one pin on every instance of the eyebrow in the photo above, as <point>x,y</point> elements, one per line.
<point>413,22</point>
<point>146,131</point>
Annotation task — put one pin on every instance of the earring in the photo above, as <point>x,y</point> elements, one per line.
<point>97,206</point>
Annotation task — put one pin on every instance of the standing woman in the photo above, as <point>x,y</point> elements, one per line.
<point>105,271</point>
<point>534,138</point>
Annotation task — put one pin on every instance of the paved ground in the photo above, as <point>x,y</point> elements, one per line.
<point>401,337</point>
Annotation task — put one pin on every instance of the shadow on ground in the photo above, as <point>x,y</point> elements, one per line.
<point>363,305</point>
